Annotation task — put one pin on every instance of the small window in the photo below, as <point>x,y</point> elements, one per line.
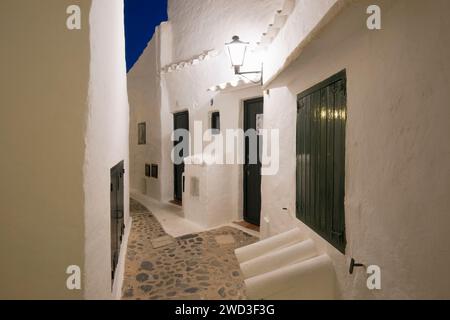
<point>215,122</point>
<point>321,122</point>
<point>142,133</point>
<point>151,171</point>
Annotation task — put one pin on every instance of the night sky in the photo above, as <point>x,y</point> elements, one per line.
<point>141,18</point>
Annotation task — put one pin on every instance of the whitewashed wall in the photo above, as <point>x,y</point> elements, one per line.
<point>106,141</point>
<point>397,160</point>
<point>144,90</point>
<point>187,90</point>
<point>307,18</point>
<point>200,25</point>
<point>181,39</point>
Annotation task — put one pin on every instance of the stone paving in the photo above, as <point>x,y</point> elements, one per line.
<point>193,267</point>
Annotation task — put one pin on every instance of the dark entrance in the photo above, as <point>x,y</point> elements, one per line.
<point>117,212</point>
<point>180,121</point>
<point>253,112</point>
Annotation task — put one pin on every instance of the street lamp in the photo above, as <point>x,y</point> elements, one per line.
<point>237,50</point>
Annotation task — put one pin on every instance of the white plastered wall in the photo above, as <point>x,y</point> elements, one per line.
<point>187,90</point>
<point>231,108</point>
<point>106,141</point>
<point>144,91</point>
<point>200,25</point>
<point>307,18</point>
<point>182,38</point>
<point>397,160</point>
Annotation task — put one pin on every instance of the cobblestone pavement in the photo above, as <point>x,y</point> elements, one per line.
<point>193,267</point>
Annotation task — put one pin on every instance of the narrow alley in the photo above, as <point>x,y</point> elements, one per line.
<point>257,150</point>
<point>190,267</point>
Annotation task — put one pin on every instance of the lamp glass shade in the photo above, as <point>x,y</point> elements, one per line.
<point>237,50</point>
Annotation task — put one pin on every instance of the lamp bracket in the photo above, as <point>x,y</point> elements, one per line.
<point>238,72</point>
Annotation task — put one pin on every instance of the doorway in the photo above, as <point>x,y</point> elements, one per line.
<point>253,117</point>
<point>180,121</point>
<point>117,214</point>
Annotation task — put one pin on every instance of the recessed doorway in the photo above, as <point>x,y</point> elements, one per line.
<point>180,121</point>
<point>253,117</point>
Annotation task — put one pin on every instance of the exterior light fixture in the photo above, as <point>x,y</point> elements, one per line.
<point>237,50</point>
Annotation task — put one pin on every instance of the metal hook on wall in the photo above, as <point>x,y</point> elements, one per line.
<point>354,264</point>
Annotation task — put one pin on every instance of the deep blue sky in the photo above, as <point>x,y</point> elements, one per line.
<point>141,18</point>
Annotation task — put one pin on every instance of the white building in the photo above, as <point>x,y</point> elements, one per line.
<point>362,117</point>
<point>391,169</point>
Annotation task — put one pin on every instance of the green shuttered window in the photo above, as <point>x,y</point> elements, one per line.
<point>321,120</point>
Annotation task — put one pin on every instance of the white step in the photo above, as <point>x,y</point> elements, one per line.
<point>287,267</point>
<point>275,259</point>
<point>308,280</point>
<point>265,246</point>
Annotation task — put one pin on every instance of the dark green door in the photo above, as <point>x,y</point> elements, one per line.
<point>253,110</point>
<point>321,122</point>
<point>180,121</point>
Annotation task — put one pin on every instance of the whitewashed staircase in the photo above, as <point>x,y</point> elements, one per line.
<point>287,267</point>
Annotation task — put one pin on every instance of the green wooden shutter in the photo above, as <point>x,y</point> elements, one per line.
<point>321,121</point>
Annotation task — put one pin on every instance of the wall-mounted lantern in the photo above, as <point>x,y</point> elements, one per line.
<point>237,50</point>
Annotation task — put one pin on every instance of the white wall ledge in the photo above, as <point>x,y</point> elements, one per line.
<point>289,42</point>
